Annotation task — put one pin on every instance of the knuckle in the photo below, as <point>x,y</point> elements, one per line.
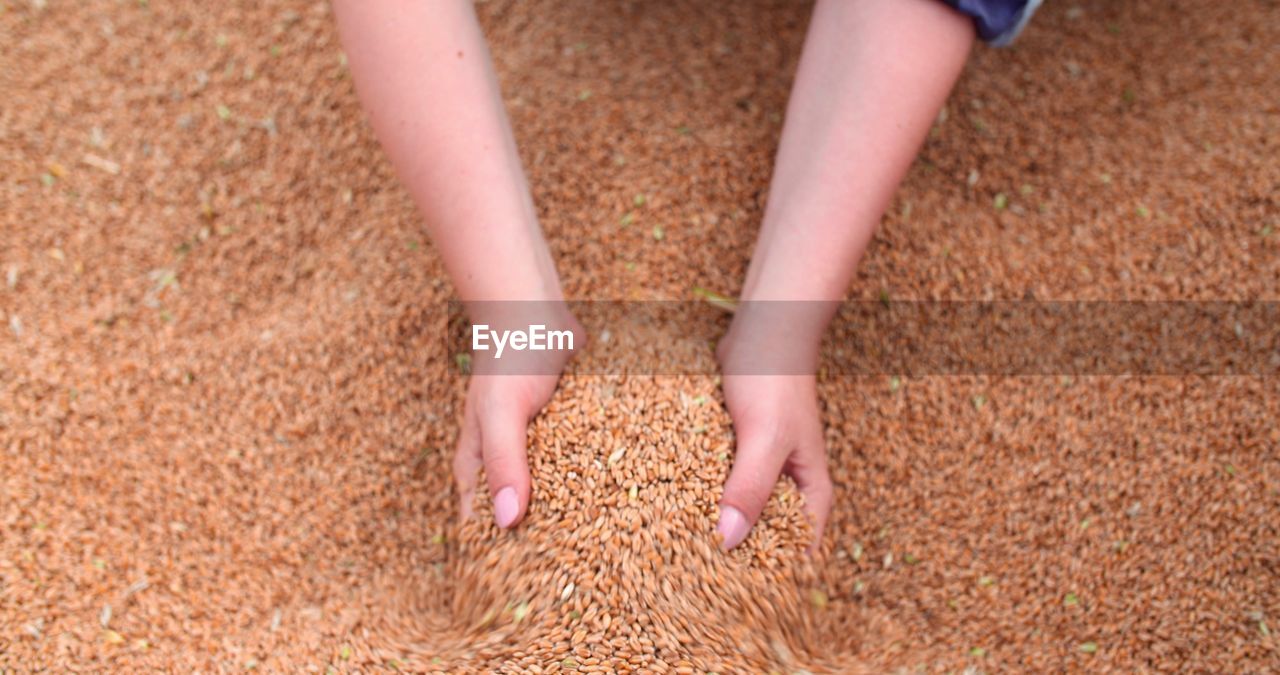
<point>822,488</point>
<point>751,483</point>
<point>760,435</point>
<point>503,460</point>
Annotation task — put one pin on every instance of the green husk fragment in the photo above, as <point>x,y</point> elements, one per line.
<point>715,299</point>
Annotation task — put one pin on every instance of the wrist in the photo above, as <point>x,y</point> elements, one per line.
<point>774,337</point>
<point>503,274</point>
<point>522,337</point>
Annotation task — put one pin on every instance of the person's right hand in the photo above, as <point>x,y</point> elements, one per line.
<point>495,424</point>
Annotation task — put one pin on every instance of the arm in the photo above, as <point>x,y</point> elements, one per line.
<point>425,78</point>
<point>424,75</point>
<point>873,75</point>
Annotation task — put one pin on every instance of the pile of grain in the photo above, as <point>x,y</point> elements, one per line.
<point>617,565</point>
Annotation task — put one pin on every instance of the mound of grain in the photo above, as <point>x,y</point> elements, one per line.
<point>617,564</point>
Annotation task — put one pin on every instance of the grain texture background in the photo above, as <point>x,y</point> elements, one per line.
<point>226,413</point>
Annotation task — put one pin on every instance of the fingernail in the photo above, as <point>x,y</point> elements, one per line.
<point>733,527</point>
<point>506,507</point>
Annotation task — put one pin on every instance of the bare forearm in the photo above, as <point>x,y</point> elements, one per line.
<point>871,80</point>
<point>424,75</point>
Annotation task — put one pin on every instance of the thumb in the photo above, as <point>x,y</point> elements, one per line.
<point>756,466</point>
<point>506,466</point>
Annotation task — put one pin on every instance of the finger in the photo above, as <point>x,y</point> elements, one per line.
<point>503,432</point>
<point>467,463</point>
<point>756,466</point>
<point>808,466</point>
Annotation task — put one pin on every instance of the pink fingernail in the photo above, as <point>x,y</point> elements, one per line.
<point>733,527</point>
<point>506,507</point>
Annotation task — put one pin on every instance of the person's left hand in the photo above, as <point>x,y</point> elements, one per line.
<point>778,430</point>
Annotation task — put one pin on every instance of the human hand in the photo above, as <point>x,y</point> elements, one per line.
<point>853,127</point>
<point>768,360</point>
<point>495,423</point>
<point>779,430</point>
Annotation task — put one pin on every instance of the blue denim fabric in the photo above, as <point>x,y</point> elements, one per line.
<point>998,21</point>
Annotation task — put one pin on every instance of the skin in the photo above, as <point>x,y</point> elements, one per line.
<point>872,77</point>
<point>424,75</point>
